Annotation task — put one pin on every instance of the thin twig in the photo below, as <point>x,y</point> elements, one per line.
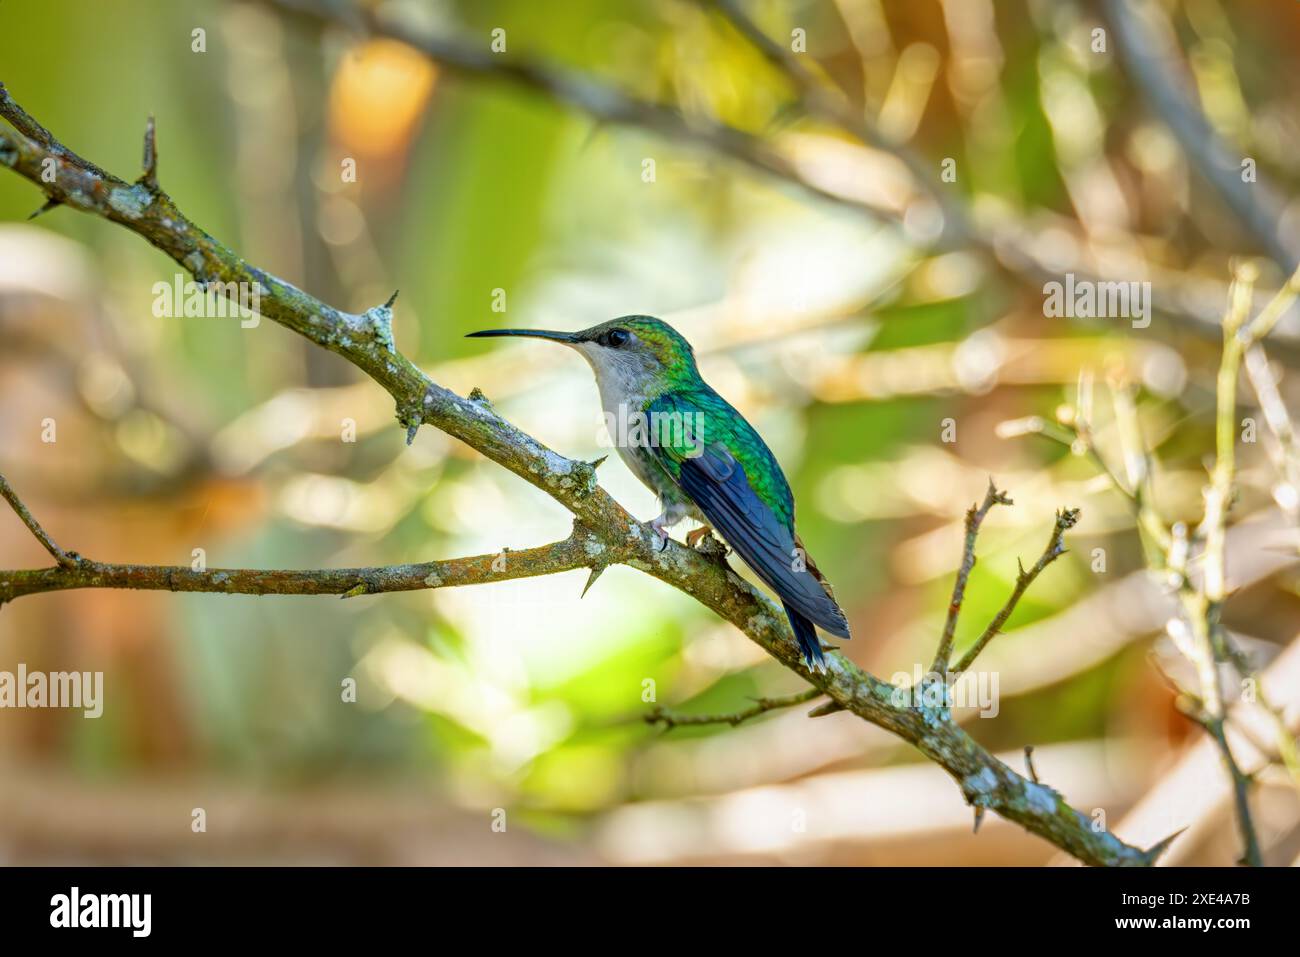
<point>33,526</point>
<point>1285,742</point>
<point>1140,464</point>
<point>1286,455</point>
<point>1264,323</point>
<point>1284,450</point>
<point>1203,607</point>
<point>1065,520</point>
<point>974,519</point>
<point>673,719</point>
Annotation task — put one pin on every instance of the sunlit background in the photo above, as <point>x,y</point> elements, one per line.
<point>854,345</point>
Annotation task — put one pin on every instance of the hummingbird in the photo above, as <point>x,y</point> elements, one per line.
<point>691,447</point>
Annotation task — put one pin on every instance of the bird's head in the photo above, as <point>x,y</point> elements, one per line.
<point>631,354</point>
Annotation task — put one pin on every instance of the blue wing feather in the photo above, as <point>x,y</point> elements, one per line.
<point>716,482</point>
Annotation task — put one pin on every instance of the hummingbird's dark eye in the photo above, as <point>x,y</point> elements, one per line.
<point>617,338</point>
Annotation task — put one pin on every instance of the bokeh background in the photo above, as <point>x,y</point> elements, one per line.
<point>855,344</point>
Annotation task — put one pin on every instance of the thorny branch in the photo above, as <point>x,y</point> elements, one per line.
<point>974,519</point>
<point>366,341</point>
<point>77,572</point>
<point>1065,520</point>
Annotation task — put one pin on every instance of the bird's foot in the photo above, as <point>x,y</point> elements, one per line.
<point>705,543</point>
<point>660,527</point>
<point>693,537</point>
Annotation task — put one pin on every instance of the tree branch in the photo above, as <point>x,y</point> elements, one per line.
<point>366,341</point>
<point>576,551</point>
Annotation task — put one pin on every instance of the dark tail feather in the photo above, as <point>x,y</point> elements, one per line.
<point>805,632</point>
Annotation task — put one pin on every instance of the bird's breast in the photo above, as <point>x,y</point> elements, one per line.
<point>629,431</point>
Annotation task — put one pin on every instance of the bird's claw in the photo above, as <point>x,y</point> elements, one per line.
<point>693,537</point>
<point>661,533</point>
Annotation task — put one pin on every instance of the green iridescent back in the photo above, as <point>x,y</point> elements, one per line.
<point>723,424</point>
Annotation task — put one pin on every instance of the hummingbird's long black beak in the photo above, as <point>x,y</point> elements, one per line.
<point>568,338</point>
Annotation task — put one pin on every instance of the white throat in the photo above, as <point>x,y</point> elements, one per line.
<point>621,377</point>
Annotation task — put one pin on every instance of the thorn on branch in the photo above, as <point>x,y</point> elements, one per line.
<point>1029,763</point>
<point>1152,853</point>
<point>49,205</point>
<point>979,817</point>
<point>380,321</point>
<point>150,177</point>
<point>596,571</point>
<point>360,588</point>
<point>822,710</point>
<point>412,417</point>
